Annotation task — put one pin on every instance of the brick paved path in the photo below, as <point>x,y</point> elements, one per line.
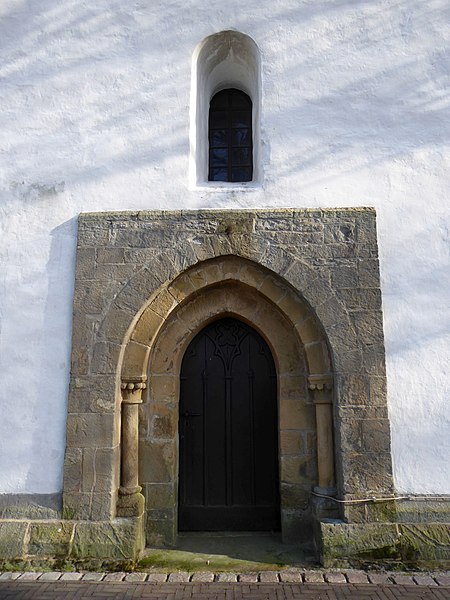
<point>81,590</point>
<point>269,585</point>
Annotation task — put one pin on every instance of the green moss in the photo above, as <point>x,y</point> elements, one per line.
<point>177,560</point>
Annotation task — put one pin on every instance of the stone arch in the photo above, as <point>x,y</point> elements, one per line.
<point>134,270</point>
<point>233,286</point>
<point>217,271</point>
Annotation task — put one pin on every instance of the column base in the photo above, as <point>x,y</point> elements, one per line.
<point>130,505</point>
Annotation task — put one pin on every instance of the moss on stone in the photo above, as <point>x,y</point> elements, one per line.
<point>50,538</point>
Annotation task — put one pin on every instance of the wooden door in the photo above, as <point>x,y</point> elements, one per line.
<point>228,432</point>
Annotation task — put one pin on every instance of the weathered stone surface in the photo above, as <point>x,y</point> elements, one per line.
<point>30,576</point>
<point>157,462</point>
<point>269,577</point>
<point>356,576</point>
<point>12,534</point>
<point>99,469</point>
<point>425,541</point>
<point>159,495</point>
<point>93,576</point>
<point>290,576</point>
<point>179,577</point>
<point>89,505</point>
<point>91,430</point>
<point>127,261</point>
<point>296,526</point>
<point>248,577</point>
<point>115,576</point>
<point>226,577</point>
<point>298,469</point>
<point>10,576</point>
<point>71,576</point>
<point>291,443</point>
<point>202,577</point>
<point>386,542</point>
<point>50,538</point>
<point>30,506</point>
<point>50,576</point>
<point>133,577</point>
<point>313,577</point>
<point>294,497</point>
<point>117,539</point>
<point>93,393</point>
<point>296,414</point>
<point>160,532</point>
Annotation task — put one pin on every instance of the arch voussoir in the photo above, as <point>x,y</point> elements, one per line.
<point>260,267</point>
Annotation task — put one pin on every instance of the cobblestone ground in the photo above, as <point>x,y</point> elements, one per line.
<point>283,585</point>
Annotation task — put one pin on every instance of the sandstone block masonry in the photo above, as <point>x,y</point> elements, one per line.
<point>145,284</point>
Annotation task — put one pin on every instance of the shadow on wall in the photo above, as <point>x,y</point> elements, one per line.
<point>89,77</point>
<point>56,318</point>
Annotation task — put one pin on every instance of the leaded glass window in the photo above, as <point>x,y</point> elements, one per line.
<point>230,137</point>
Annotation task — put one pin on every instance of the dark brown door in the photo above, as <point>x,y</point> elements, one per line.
<point>228,432</point>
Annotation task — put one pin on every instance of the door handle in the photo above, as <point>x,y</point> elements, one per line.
<point>189,414</point>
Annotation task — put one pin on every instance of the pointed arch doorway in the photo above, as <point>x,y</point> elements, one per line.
<point>228,471</point>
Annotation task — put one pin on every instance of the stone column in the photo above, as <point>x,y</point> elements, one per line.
<point>131,501</point>
<point>321,386</point>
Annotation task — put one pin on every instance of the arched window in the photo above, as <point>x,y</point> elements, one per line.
<point>226,78</point>
<point>230,137</point>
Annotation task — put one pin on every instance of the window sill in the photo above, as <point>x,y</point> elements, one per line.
<point>216,186</point>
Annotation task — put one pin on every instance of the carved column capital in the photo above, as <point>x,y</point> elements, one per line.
<point>320,382</point>
<point>132,389</point>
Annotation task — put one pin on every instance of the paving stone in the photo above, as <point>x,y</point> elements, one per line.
<point>335,577</point>
<point>179,577</point>
<point>133,577</point>
<point>226,577</point>
<point>291,576</point>
<point>203,577</point>
<point>424,580</point>
<point>403,580</point>
<point>9,576</point>
<point>93,576</point>
<point>379,578</point>
<point>71,576</point>
<point>114,576</point>
<point>313,577</point>
<point>356,577</point>
<point>30,576</point>
<point>157,577</point>
<point>248,578</point>
<point>269,577</point>
<point>442,579</point>
<point>50,576</point>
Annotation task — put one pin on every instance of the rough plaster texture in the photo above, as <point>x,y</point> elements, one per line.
<point>94,115</point>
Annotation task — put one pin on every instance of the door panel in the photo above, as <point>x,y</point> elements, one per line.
<point>228,432</point>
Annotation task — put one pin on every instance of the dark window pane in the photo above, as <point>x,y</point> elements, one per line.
<point>219,175</point>
<point>219,138</point>
<point>220,100</point>
<point>240,118</point>
<point>218,118</point>
<point>241,137</point>
<point>218,157</point>
<point>241,174</point>
<point>230,136</point>
<point>241,156</point>
<point>240,100</point>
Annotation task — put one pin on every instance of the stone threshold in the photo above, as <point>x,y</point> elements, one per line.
<point>298,576</point>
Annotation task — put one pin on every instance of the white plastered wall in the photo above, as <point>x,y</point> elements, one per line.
<point>94,115</point>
